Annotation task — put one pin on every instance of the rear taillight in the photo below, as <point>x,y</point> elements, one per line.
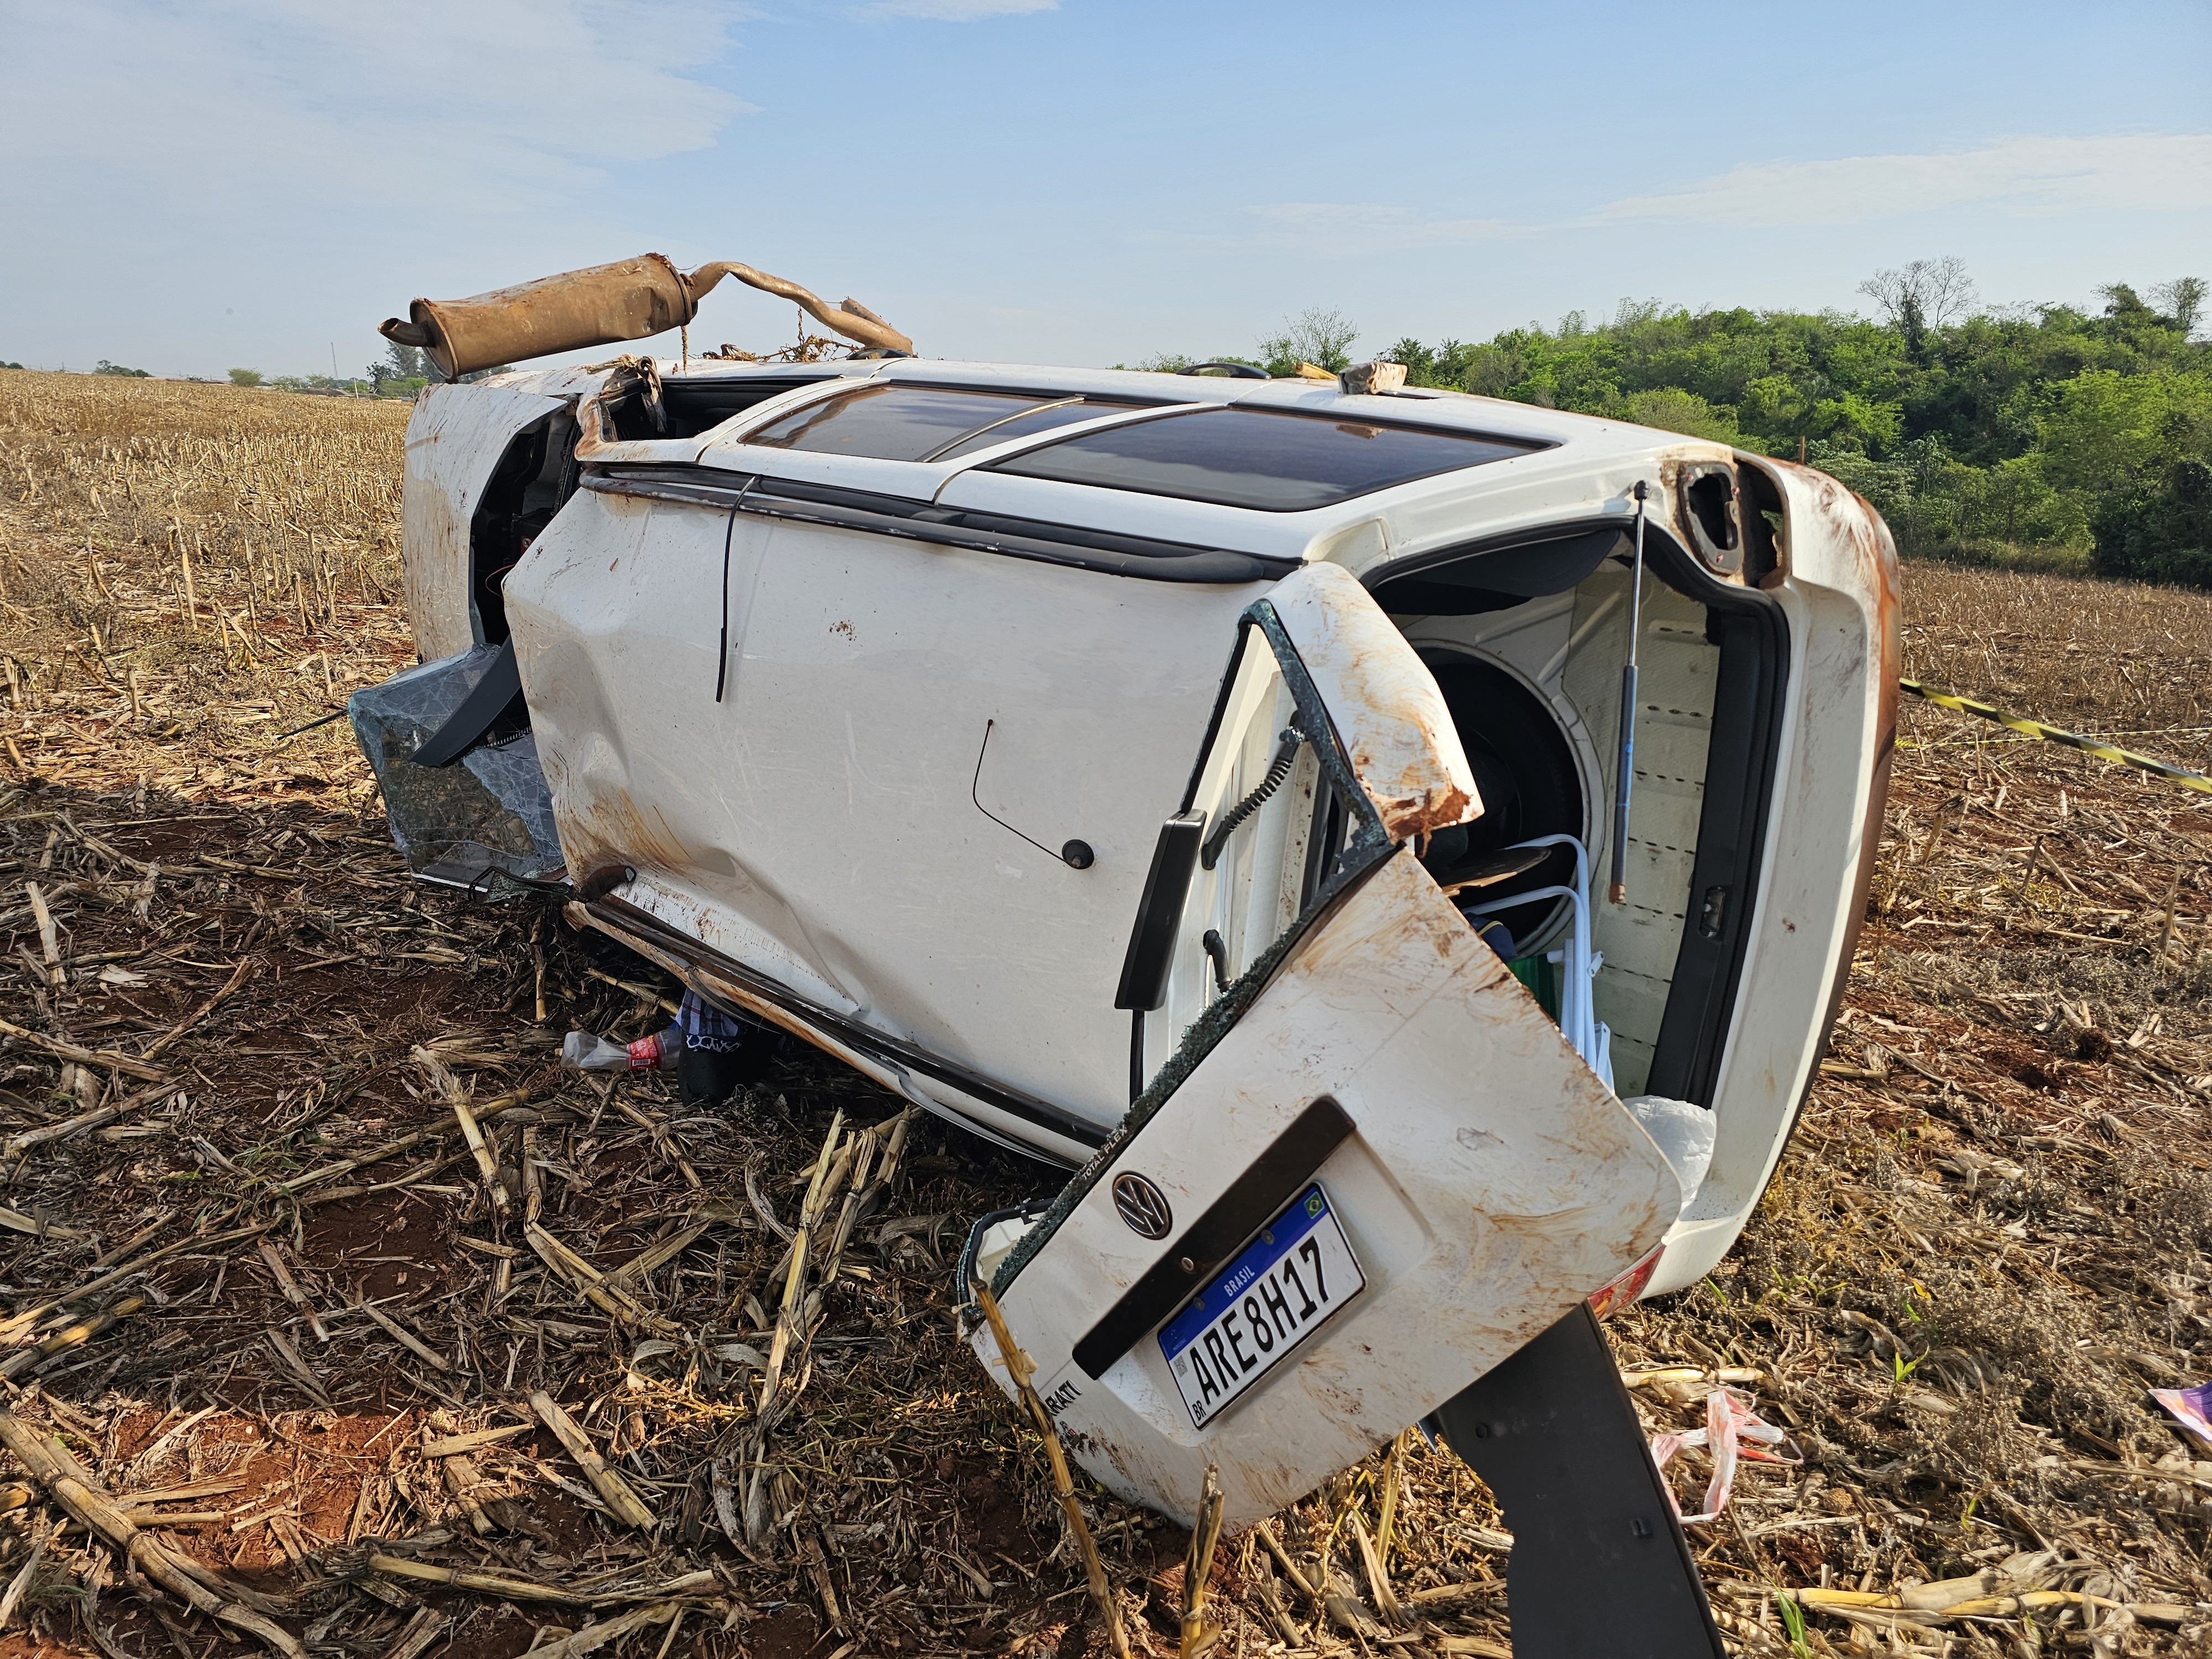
<point>1626,1288</point>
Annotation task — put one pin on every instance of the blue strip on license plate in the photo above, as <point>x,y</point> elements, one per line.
<point>1287,1281</point>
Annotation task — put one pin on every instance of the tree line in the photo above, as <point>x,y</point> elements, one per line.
<point>2045,435</point>
<point>402,372</point>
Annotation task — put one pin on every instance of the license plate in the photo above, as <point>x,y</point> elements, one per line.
<point>1287,1282</point>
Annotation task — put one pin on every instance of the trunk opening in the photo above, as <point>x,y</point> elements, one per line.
<point>1526,640</point>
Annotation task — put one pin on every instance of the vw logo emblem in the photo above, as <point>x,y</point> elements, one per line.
<point>1142,1206</point>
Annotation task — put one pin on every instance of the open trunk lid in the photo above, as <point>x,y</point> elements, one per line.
<point>1370,1168</point>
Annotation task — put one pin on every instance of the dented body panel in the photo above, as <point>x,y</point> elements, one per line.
<point>1839,590</point>
<point>1396,731</point>
<point>837,820</point>
<point>1478,1216</point>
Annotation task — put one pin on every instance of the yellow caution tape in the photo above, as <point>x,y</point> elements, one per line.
<point>2187,780</point>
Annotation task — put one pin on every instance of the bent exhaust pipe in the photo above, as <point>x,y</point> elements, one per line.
<point>600,306</point>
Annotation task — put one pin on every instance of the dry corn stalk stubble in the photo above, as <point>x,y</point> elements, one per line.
<point>1992,1233</point>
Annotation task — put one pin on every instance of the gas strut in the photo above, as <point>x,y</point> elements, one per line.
<point>1619,893</point>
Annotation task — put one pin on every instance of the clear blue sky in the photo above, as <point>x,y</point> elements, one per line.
<point>243,182</point>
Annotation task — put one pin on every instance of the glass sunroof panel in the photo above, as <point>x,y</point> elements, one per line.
<point>1029,425</point>
<point>890,423</point>
<point>1274,460</point>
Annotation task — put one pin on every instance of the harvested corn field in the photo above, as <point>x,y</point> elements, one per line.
<point>362,1329</point>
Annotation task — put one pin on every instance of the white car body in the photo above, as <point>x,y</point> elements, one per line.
<point>822,731</point>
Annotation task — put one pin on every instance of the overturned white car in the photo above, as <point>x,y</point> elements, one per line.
<point>1215,784</point>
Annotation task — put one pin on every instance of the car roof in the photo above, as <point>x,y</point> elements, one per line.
<point>1464,411</point>
<point>1583,469</point>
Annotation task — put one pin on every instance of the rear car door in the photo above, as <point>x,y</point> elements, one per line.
<point>1365,1167</point>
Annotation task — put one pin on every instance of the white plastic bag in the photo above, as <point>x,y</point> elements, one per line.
<point>1683,1135</point>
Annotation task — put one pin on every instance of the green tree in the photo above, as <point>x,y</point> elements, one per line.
<point>106,368</point>
<point>2013,504</point>
<point>2162,532</point>
<point>2108,431</point>
<point>1672,410</point>
<point>1774,407</point>
<point>2180,303</point>
<point>402,362</point>
<point>1858,422</point>
<point>2023,431</point>
<point>245,377</point>
<point>1315,335</point>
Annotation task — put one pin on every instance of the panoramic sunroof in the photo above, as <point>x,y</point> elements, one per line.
<point>1275,460</point>
<point>919,423</point>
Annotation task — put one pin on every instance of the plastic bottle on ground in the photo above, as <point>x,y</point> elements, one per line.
<point>584,1051</point>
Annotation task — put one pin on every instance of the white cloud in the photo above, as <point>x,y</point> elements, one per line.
<point>2027,177</point>
<point>2150,173</point>
<point>410,104</point>
<point>960,11</point>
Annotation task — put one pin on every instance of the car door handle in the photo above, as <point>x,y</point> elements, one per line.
<point>1152,942</point>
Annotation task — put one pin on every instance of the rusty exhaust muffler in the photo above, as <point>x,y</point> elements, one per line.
<point>600,306</point>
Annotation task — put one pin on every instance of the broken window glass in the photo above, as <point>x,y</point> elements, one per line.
<point>1275,460</point>
<point>490,809</point>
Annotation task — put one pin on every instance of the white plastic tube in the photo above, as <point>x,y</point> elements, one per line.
<point>1577,1009</point>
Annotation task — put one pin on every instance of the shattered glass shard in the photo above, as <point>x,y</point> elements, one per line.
<point>490,809</point>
